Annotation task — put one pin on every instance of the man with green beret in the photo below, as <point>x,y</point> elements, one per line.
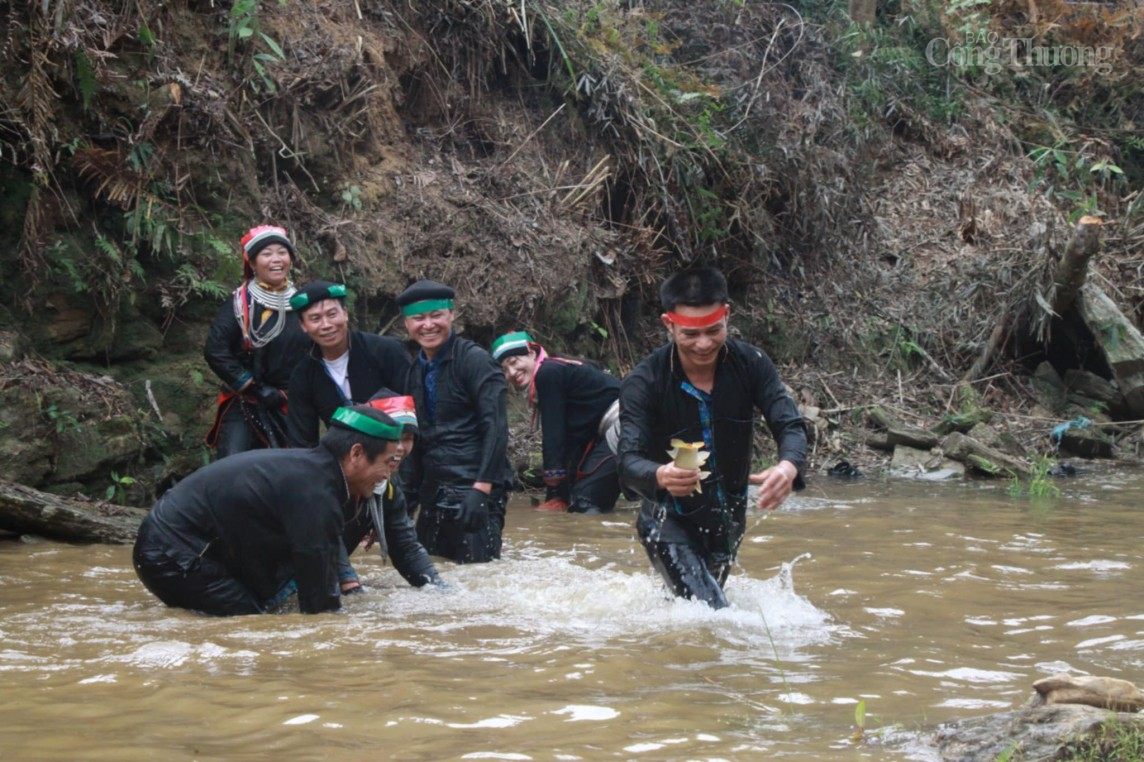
<point>459,473</point>
<point>236,536</point>
<point>343,366</point>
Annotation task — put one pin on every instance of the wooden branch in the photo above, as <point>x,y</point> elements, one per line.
<point>982,458</point>
<point>24,510</point>
<point>996,341</point>
<point>898,433</point>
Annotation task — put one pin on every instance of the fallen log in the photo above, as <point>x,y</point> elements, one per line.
<point>980,457</point>
<point>898,433</point>
<point>24,510</point>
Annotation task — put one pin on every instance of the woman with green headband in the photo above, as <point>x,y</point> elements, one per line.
<point>577,405</point>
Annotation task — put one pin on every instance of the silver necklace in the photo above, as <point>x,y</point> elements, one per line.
<point>279,301</point>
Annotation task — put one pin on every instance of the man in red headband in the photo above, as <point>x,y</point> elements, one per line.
<point>702,389</point>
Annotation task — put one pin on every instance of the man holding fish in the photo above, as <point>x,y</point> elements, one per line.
<point>688,406</point>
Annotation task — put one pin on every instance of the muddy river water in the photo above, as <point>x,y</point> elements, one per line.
<point>928,602</point>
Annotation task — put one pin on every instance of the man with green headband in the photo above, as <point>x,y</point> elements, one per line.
<point>239,535</point>
<point>459,473</point>
<point>342,367</point>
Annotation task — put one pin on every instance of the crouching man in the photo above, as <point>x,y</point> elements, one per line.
<point>235,537</point>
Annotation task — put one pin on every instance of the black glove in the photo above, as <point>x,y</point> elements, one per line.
<point>474,512</point>
<point>270,397</point>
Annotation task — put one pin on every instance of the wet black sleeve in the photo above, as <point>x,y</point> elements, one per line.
<point>551,402</point>
<point>409,556</point>
<point>313,524</point>
<point>637,470</point>
<point>780,411</point>
<point>485,383</point>
<point>224,337</point>
<point>301,414</point>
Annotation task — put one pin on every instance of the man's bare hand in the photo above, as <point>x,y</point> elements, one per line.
<point>775,484</point>
<point>680,482</point>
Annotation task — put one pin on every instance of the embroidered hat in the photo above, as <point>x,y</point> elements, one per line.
<point>425,296</point>
<point>401,408</point>
<point>511,344</point>
<point>316,291</point>
<point>257,239</point>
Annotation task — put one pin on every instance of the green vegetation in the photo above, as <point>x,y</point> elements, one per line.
<point>1116,742</point>
<point>351,197</point>
<point>244,29</point>
<point>859,721</point>
<point>117,492</point>
<point>61,420</point>
<point>1039,481</point>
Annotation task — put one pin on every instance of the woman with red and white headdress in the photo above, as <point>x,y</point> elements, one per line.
<point>253,346</point>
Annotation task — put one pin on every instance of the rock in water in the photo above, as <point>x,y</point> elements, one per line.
<point>1101,692</point>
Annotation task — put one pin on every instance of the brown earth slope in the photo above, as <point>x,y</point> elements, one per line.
<point>550,161</point>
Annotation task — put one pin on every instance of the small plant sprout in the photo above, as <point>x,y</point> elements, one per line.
<point>859,721</point>
<point>117,492</point>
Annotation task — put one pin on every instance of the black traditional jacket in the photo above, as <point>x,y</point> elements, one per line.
<point>375,362</point>
<point>467,439</point>
<point>571,399</point>
<point>271,364</point>
<point>269,515</point>
<point>654,409</point>
<point>398,538</point>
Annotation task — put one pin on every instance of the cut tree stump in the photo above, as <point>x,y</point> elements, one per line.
<point>1068,278</point>
<point>24,510</point>
<point>1072,270</point>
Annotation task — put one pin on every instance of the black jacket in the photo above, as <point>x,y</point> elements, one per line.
<point>271,364</point>
<point>400,538</point>
<point>375,361</point>
<point>468,441</point>
<point>268,515</point>
<point>571,400</point>
<point>654,410</point>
